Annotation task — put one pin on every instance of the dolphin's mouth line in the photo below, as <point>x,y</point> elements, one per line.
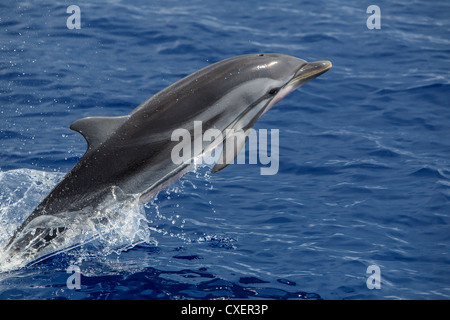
<point>311,70</point>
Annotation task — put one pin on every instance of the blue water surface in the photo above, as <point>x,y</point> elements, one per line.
<point>364,172</point>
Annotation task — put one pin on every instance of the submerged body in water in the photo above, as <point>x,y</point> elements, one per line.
<point>129,157</point>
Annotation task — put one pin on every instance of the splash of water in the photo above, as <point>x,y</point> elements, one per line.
<point>113,226</point>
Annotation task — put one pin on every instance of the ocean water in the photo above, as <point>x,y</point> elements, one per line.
<point>364,150</point>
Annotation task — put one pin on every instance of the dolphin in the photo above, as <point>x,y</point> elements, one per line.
<point>131,154</point>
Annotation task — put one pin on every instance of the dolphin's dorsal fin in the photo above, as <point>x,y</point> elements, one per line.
<point>97,130</point>
<point>232,146</point>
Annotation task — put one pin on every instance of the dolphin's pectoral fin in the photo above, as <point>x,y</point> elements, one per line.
<point>232,146</point>
<point>96,130</point>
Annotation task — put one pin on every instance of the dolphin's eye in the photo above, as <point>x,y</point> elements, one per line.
<point>274,91</point>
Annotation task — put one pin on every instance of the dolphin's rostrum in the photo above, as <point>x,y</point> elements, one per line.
<point>131,155</point>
